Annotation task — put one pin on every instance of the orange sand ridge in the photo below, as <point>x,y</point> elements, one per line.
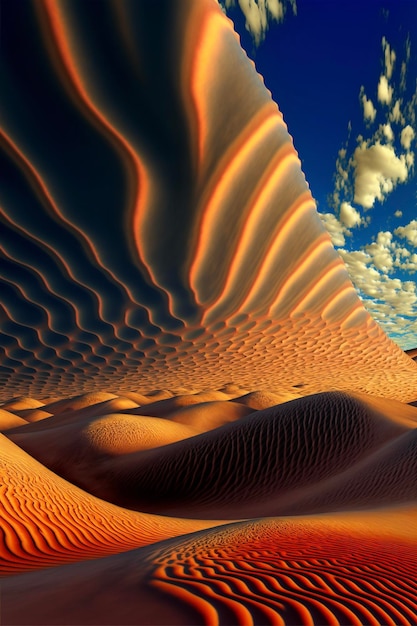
<point>228,454</point>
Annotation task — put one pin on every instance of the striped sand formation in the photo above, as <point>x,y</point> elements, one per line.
<point>194,256</point>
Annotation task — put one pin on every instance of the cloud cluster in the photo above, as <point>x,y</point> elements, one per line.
<point>369,171</point>
<point>377,170</point>
<point>260,13</point>
<point>385,90</point>
<point>389,299</point>
<point>369,111</point>
<point>349,216</point>
<point>335,228</point>
<point>369,167</point>
<point>408,232</point>
<point>374,268</point>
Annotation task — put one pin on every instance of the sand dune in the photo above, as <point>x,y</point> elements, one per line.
<point>260,463</point>
<point>166,406</point>
<point>210,415</point>
<point>21,404</point>
<point>10,420</point>
<point>46,521</point>
<point>253,465</point>
<point>386,476</point>
<point>79,402</point>
<point>351,569</point>
<point>262,399</point>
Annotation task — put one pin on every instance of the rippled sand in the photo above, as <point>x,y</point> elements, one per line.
<point>143,481</point>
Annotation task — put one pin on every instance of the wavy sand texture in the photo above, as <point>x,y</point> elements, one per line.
<point>219,268</point>
<point>353,569</point>
<point>259,464</point>
<point>45,521</point>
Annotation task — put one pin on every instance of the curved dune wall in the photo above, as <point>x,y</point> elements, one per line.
<point>157,229</point>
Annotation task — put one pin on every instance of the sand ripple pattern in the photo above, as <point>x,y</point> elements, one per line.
<point>293,573</point>
<point>356,569</point>
<point>270,462</point>
<point>154,220</point>
<point>45,521</point>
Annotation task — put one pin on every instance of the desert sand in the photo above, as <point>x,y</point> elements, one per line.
<point>199,421</point>
<point>325,486</point>
<point>331,569</point>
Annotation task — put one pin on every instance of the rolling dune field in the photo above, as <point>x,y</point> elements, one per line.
<point>98,478</point>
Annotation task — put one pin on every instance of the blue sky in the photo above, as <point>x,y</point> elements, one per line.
<point>343,73</point>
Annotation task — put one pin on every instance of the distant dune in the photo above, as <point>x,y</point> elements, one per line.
<point>327,450</point>
<point>199,421</point>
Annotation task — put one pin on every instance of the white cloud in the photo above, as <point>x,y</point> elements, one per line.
<point>389,56</point>
<point>276,8</point>
<point>403,80</point>
<point>335,229</point>
<point>388,132</point>
<point>407,136</point>
<point>411,108</point>
<point>380,252</point>
<point>377,171</point>
<point>349,216</point>
<point>385,91</point>
<point>395,115</point>
<point>409,159</point>
<point>398,213</point>
<point>408,232</point>
<point>259,14</point>
<point>386,298</point>
<point>369,111</point>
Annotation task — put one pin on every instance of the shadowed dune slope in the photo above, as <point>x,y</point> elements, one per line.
<point>257,465</point>
<point>219,267</point>
<point>353,569</point>
<point>385,477</point>
<point>45,521</point>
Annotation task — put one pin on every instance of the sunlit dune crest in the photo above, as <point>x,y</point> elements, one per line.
<point>199,421</point>
<point>10,420</point>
